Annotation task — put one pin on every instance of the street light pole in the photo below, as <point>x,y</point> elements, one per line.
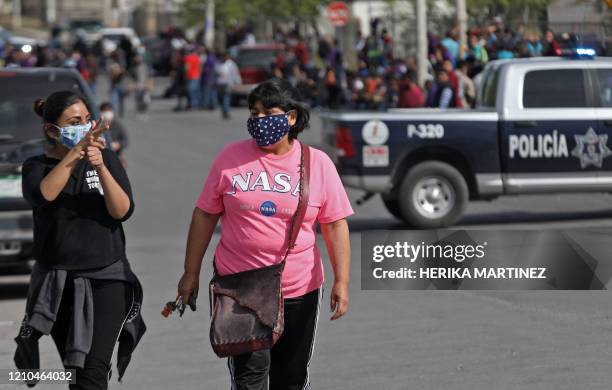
<point>51,11</point>
<point>209,25</point>
<point>462,22</point>
<point>16,14</point>
<point>151,17</point>
<point>421,55</point>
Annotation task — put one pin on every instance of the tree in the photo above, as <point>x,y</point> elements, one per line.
<point>527,12</point>
<point>229,11</point>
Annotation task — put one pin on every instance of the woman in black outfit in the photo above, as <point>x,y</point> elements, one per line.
<point>82,289</point>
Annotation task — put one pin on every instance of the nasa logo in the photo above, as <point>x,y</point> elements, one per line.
<point>267,208</point>
<point>375,132</point>
<point>591,148</point>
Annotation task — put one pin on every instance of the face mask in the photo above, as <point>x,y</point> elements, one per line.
<point>72,135</point>
<point>107,115</point>
<point>268,130</point>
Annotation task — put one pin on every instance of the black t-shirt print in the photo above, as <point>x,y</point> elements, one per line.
<point>75,231</point>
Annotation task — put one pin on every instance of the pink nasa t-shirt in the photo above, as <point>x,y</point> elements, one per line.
<point>257,194</point>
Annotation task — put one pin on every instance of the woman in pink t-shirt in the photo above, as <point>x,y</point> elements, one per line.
<point>253,188</point>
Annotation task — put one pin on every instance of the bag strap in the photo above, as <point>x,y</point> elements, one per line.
<point>304,193</point>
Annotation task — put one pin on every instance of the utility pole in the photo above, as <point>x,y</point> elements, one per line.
<point>151,17</point>
<point>462,22</point>
<point>421,54</point>
<point>16,22</point>
<point>209,25</point>
<point>106,13</point>
<point>51,12</point>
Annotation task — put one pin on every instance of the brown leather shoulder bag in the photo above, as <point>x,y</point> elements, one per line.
<point>246,308</point>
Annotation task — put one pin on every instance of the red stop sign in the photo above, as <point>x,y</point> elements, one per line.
<point>338,13</point>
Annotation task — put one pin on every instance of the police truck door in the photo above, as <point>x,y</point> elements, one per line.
<point>602,86</point>
<point>549,132</point>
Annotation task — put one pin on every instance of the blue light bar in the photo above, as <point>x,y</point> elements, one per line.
<point>585,52</point>
<point>579,52</point>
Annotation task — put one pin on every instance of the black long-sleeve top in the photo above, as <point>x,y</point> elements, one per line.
<point>75,231</point>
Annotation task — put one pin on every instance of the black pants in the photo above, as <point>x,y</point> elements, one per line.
<point>112,301</point>
<point>286,364</point>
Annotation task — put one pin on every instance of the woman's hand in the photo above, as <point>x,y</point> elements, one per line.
<point>93,145</point>
<point>339,300</point>
<point>336,236</point>
<point>188,285</point>
<point>92,138</point>
<point>94,156</point>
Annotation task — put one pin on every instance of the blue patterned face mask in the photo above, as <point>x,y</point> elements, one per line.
<point>72,135</point>
<point>268,130</point>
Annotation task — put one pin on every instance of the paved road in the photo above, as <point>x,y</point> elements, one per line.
<point>389,340</point>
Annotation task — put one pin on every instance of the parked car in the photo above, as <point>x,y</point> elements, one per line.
<point>90,27</point>
<point>24,44</point>
<point>5,35</point>
<point>112,36</point>
<point>542,126</point>
<point>255,64</point>
<point>21,137</point>
<point>160,52</point>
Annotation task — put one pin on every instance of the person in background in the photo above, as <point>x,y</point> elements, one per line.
<point>534,45</point>
<point>179,83</point>
<point>505,51</point>
<point>379,94</point>
<point>410,94</point>
<point>447,66</point>
<point>477,49</point>
<point>444,95</point>
<point>193,71</point>
<point>228,76</point>
<point>117,131</point>
<point>208,80</point>
<point>551,47</point>
<point>467,91</point>
<point>451,44</point>
<point>358,95</point>
<point>92,65</point>
<point>391,97</point>
<point>117,76</point>
<point>333,89</point>
<point>142,81</point>
<point>128,51</point>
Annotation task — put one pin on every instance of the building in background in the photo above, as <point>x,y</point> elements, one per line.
<point>589,18</point>
<point>147,17</point>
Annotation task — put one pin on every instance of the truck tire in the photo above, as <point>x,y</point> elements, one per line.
<point>392,204</point>
<point>433,194</point>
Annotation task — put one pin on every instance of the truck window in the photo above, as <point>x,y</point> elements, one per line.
<point>554,88</point>
<point>604,77</point>
<point>17,96</point>
<point>489,94</point>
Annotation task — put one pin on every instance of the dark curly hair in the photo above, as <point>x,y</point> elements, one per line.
<point>280,93</point>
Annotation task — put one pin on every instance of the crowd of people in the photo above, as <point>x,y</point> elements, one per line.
<point>316,65</point>
<point>128,66</point>
<point>383,81</point>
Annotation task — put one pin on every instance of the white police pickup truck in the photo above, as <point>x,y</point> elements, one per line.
<point>542,126</point>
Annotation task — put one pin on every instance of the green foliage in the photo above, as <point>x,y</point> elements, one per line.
<point>228,11</point>
<point>535,4</point>
<point>514,11</point>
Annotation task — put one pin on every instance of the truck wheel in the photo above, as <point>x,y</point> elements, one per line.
<point>392,204</point>
<point>433,194</point>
